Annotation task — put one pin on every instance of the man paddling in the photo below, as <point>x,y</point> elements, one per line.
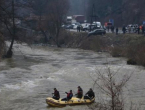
<point>80,92</point>
<point>56,94</point>
<point>90,94</point>
<point>69,96</point>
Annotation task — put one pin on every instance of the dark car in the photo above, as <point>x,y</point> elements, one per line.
<point>69,27</point>
<point>97,32</point>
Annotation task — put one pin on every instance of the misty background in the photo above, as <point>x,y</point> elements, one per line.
<point>122,11</point>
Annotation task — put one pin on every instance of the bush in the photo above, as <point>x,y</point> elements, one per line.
<point>112,84</point>
<point>80,40</point>
<point>136,50</point>
<point>2,45</point>
<point>117,51</point>
<point>93,43</point>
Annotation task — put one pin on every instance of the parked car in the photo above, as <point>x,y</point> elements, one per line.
<point>75,25</point>
<point>69,27</point>
<point>91,27</point>
<point>97,32</point>
<point>85,26</point>
<point>63,26</point>
<point>132,27</point>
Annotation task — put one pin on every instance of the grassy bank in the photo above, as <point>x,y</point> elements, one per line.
<point>131,46</point>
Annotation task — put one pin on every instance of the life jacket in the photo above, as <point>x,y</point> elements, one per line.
<point>140,27</point>
<point>69,95</point>
<point>80,91</point>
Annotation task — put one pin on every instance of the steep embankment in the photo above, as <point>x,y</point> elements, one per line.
<point>131,46</point>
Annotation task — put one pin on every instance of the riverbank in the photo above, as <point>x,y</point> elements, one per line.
<point>131,46</point>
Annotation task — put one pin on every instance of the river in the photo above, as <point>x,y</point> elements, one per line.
<point>30,76</point>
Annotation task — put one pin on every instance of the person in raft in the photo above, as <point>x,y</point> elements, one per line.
<point>80,92</point>
<point>56,95</point>
<point>69,96</point>
<point>89,95</point>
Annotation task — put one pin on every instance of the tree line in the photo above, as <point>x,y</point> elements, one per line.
<point>122,11</point>
<point>48,15</point>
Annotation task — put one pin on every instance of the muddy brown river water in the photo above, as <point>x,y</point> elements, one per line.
<point>30,76</point>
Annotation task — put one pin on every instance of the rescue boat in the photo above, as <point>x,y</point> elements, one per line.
<point>73,101</point>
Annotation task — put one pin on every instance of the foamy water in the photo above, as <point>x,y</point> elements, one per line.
<point>30,76</point>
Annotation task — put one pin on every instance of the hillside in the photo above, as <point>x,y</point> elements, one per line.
<point>130,11</point>
<point>122,11</point>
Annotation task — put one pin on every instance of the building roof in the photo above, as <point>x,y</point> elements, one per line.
<point>69,17</point>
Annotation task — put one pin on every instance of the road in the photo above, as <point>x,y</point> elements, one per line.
<point>74,30</point>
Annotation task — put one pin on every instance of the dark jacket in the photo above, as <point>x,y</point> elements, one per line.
<point>90,93</point>
<point>80,93</point>
<point>56,94</point>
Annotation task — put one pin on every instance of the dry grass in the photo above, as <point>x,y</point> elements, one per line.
<point>131,46</point>
<point>80,40</point>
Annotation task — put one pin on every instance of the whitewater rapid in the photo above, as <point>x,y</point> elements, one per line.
<point>30,76</point>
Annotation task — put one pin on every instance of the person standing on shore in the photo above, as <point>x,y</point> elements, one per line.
<point>138,30</point>
<point>116,30</point>
<point>143,29</point>
<point>124,29</point>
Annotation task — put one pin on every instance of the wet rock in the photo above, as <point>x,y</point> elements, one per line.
<point>131,62</point>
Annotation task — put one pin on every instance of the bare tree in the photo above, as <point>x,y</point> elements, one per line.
<point>7,19</point>
<point>51,14</point>
<point>112,85</point>
<point>9,52</point>
<point>2,45</point>
<point>57,10</point>
<point>9,13</point>
<point>39,9</point>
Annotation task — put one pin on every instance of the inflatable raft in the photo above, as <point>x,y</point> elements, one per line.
<point>73,101</point>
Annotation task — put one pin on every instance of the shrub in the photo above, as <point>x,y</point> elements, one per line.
<point>2,45</point>
<point>111,83</point>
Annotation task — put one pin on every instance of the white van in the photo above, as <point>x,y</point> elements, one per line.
<point>98,24</point>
